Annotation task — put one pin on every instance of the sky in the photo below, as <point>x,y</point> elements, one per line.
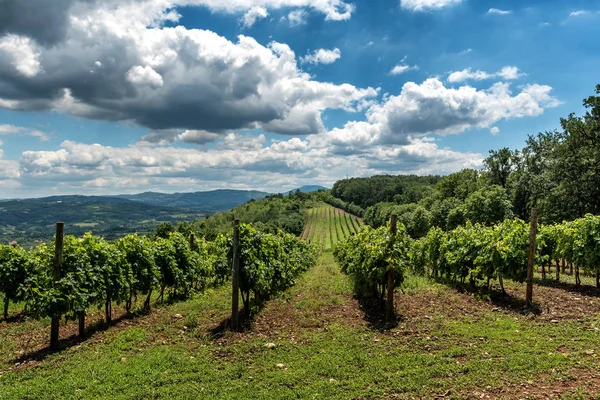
<point>124,96</point>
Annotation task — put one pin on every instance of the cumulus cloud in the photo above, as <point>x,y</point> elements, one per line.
<point>322,56</point>
<point>427,5</point>
<point>22,131</point>
<point>252,15</point>
<point>334,10</point>
<point>21,53</point>
<point>495,130</point>
<point>396,137</point>
<point>238,161</point>
<point>508,73</point>
<point>432,108</point>
<point>117,61</point>
<point>497,11</point>
<point>144,76</point>
<point>198,137</point>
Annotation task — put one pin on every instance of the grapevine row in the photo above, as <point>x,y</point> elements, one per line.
<point>471,252</point>
<point>97,273</point>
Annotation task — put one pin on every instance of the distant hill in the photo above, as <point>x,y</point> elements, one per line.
<point>308,188</point>
<point>208,202</point>
<point>29,220</point>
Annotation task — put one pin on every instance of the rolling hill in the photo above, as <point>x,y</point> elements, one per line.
<point>207,202</point>
<point>29,220</point>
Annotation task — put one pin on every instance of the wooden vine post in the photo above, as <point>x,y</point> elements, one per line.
<point>389,309</point>
<point>58,259</point>
<point>235,279</point>
<point>531,260</point>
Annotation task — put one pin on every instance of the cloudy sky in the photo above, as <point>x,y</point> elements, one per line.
<point>123,96</point>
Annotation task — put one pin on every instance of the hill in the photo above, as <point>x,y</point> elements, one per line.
<point>207,202</point>
<point>28,220</point>
<point>308,189</point>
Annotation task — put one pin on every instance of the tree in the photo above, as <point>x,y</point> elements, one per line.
<point>488,206</point>
<point>500,164</point>
<point>164,229</point>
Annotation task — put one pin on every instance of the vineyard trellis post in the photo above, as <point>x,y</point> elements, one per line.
<point>235,279</point>
<point>389,314</point>
<point>58,258</point>
<point>531,260</point>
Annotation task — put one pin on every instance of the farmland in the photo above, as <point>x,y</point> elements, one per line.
<point>317,339</point>
<point>327,225</point>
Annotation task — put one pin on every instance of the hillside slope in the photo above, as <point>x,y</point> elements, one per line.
<point>209,202</point>
<point>28,220</point>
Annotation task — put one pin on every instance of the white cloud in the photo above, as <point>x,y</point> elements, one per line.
<point>432,108</point>
<point>322,56</point>
<point>427,5</point>
<point>176,78</point>
<point>402,68</point>
<point>22,131</point>
<point>21,53</point>
<point>145,76</point>
<point>254,14</point>
<point>497,11</point>
<point>297,17</point>
<point>334,10</point>
<point>395,138</point>
<point>508,73</point>
<point>198,137</point>
<point>495,130</point>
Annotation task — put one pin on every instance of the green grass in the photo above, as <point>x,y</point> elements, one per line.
<point>337,356</point>
<point>446,343</point>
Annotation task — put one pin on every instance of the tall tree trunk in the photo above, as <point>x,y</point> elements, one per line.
<point>6,301</point>
<point>564,267</point>
<point>557,271</point>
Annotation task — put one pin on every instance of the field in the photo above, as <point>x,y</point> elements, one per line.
<point>317,340</point>
<point>327,225</point>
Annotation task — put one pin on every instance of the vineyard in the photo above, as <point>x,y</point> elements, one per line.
<point>327,225</point>
<point>89,272</point>
<point>314,330</point>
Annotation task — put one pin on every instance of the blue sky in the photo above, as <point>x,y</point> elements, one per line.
<point>178,95</point>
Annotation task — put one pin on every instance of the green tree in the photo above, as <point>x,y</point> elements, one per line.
<point>488,205</point>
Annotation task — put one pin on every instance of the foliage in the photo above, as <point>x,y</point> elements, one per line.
<point>269,263</point>
<point>474,251</point>
<point>270,214</point>
<point>371,254</point>
<point>366,192</point>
